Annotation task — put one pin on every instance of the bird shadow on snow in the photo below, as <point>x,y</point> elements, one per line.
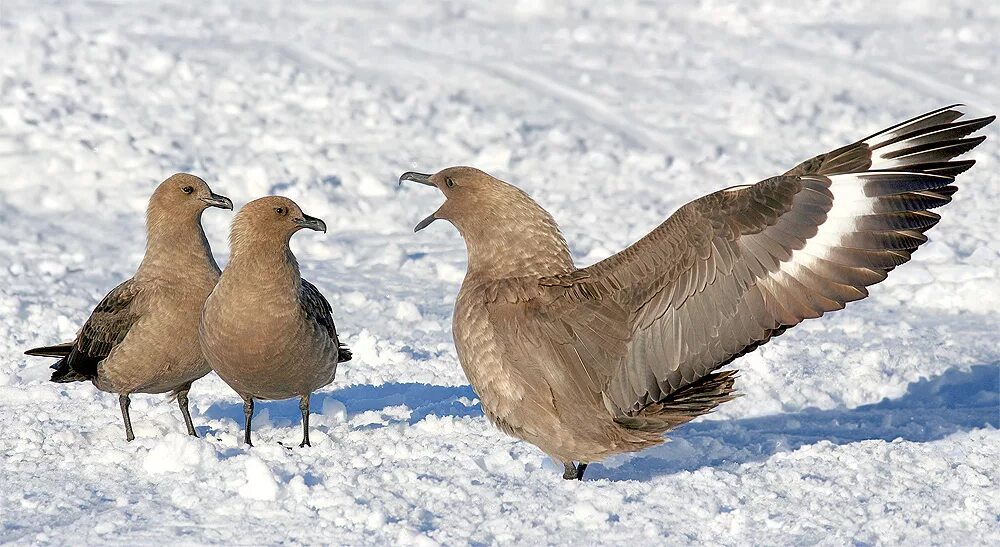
<point>422,400</point>
<point>930,409</point>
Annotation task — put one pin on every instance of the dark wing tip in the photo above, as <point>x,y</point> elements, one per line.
<point>344,354</point>
<point>58,350</point>
<point>64,373</point>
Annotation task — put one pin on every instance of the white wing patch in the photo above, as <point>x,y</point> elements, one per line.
<point>849,203</point>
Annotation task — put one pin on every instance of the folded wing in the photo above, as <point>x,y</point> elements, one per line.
<point>318,309</point>
<point>107,327</point>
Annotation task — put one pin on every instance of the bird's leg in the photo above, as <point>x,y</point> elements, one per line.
<point>573,471</point>
<point>182,401</point>
<point>570,471</point>
<point>248,416</point>
<point>304,407</point>
<point>124,402</point>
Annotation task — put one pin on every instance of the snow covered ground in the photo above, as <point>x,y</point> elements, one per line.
<point>875,425</point>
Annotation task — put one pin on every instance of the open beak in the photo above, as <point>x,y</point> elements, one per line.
<point>312,223</point>
<point>215,200</point>
<point>416,177</point>
<point>424,179</point>
<point>425,222</point>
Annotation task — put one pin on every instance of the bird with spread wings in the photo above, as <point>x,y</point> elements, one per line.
<point>590,362</point>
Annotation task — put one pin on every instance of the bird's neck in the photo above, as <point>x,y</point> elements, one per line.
<point>526,244</point>
<point>176,245</point>
<point>264,264</point>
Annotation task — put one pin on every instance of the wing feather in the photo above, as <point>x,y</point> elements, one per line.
<point>316,307</point>
<point>107,326</point>
<point>729,271</point>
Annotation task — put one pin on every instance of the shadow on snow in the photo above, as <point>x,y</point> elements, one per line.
<point>421,399</point>
<point>931,409</point>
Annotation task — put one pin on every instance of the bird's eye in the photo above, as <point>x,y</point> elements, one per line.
<point>280,211</point>
<point>449,182</point>
<point>187,189</point>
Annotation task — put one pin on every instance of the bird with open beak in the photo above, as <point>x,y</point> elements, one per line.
<point>267,332</point>
<point>143,336</point>
<point>590,362</point>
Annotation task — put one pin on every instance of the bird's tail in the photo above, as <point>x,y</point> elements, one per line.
<point>344,354</point>
<point>685,404</point>
<point>65,374</point>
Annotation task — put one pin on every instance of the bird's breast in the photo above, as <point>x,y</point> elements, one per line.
<point>260,343</point>
<point>480,352</point>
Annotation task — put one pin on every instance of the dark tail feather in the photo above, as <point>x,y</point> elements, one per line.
<point>344,355</point>
<point>65,374</point>
<point>685,404</point>
<point>58,350</point>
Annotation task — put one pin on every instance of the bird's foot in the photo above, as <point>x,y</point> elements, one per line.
<point>569,472</point>
<point>302,444</point>
<point>572,471</point>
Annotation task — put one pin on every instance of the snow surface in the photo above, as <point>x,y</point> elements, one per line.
<point>876,425</point>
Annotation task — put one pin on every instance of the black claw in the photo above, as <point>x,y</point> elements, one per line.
<point>573,471</point>
<point>569,471</point>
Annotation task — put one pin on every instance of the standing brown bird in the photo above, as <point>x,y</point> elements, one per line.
<point>587,363</point>
<point>143,337</point>
<point>266,331</point>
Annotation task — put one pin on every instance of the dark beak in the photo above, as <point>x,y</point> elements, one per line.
<point>425,222</point>
<point>312,223</point>
<point>416,177</point>
<point>422,179</point>
<point>215,200</point>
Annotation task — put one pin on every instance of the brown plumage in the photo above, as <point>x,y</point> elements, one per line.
<point>266,331</point>
<point>587,363</point>
<point>143,337</point>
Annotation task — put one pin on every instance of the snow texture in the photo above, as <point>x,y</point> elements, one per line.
<point>874,425</point>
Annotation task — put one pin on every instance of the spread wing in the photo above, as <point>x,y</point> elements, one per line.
<point>316,308</point>
<point>733,269</point>
<point>107,326</point>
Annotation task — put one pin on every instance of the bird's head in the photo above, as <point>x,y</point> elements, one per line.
<point>184,194</point>
<point>473,198</point>
<point>271,218</point>
<point>497,220</point>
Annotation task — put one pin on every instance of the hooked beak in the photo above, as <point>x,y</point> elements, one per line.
<point>312,223</point>
<point>215,200</point>
<point>416,177</point>
<point>424,179</point>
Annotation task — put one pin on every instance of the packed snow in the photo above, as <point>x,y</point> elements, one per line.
<point>874,425</point>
